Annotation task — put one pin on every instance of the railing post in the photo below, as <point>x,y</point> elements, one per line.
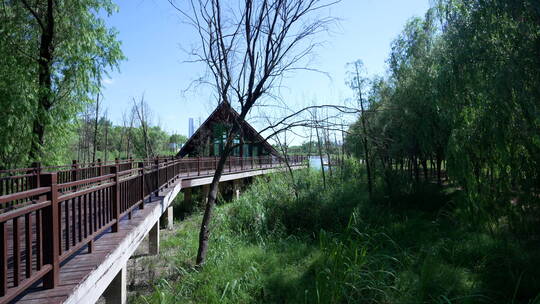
<point>241,163</point>
<point>3,259</point>
<point>50,230</point>
<point>173,169</point>
<point>198,166</point>
<point>141,168</point>
<point>116,199</point>
<point>178,167</point>
<point>74,173</point>
<point>156,162</point>
<point>215,162</point>
<point>100,167</point>
<point>166,161</point>
<point>170,168</point>
<point>175,164</point>
<point>37,172</point>
<point>229,157</point>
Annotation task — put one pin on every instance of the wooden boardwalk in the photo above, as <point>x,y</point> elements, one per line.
<point>77,269</point>
<point>45,240</point>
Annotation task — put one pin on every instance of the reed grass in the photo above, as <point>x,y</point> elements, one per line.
<point>334,245</point>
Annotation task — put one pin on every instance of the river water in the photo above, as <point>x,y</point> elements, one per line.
<point>315,162</point>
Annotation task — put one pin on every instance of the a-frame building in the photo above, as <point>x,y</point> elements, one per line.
<point>210,137</point>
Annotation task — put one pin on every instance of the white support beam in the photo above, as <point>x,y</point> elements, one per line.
<point>236,188</point>
<point>205,192</point>
<point>167,218</point>
<point>153,239</point>
<point>194,181</point>
<point>116,293</point>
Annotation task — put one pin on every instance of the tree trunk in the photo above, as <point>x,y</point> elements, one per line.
<point>327,148</point>
<point>321,157</point>
<point>365,138</point>
<point>80,142</point>
<point>204,233</point>
<point>409,167</point>
<point>439,162</point>
<point>106,136</point>
<point>285,152</point>
<point>368,166</point>
<point>425,167</point>
<point>96,122</point>
<point>416,169</point>
<point>342,147</point>
<point>129,136</point>
<point>44,83</point>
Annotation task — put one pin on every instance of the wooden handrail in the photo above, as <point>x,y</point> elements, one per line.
<point>23,194</point>
<point>61,212</point>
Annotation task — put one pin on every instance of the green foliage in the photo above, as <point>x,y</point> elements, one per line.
<point>336,246</point>
<point>310,147</point>
<point>83,50</point>
<point>462,99</point>
<point>113,141</point>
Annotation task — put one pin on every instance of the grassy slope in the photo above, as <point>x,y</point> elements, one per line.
<point>336,246</point>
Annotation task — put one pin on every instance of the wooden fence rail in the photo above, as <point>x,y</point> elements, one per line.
<point>49,214</point>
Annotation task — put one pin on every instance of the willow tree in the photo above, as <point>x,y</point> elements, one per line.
<point>53,54</point>
<point>493,54</point>
<point>247,48</point>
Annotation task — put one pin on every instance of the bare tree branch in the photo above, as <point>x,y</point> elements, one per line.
<point>247,47</point>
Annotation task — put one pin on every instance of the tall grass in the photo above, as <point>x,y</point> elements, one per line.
<point>334,245</point>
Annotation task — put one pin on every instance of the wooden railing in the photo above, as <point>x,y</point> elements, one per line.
<point>49,214</point>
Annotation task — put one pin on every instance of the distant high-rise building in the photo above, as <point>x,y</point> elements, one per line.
<point>191,127</point>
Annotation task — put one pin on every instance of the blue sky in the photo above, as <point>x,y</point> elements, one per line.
<point>153,35</point>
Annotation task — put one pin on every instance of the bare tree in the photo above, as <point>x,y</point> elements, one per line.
<point>142,111</point>
<point>327,145</point>
<point>106,120</point>
<point>85,126</point>
<point>80,132</point>
<point>357,83</point>
<point>284,148</point>
<point>96,129</point>
<point>127,131</point>
<point>319,145</point>
<point>248,47</point>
